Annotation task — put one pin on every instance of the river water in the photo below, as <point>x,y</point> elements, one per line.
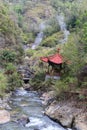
<point>29,104</point>
<point>39,35</point>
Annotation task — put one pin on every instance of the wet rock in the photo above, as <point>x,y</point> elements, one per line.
<point>61,115</point>
<point>4,116</point>
<point>23,120</point>
<point>26,73</point>
<point>6,106</point>
<point>48,97</point>
<point>0,101</point>
<point>63,112</point>
<point>81,122</point>
<point>36,129</point>
<point>27,87</point>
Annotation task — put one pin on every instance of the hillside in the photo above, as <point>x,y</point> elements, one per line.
<point>20,24</point>
<point>31,29</point>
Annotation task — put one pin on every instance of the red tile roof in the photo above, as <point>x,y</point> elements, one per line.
<point>56,59</point>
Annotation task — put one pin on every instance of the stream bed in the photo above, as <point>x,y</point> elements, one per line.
<point>29,104</point>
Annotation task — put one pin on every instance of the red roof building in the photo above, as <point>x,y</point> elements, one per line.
<point>56,59</point>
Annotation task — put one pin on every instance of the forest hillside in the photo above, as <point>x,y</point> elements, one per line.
<point>43,64</point>
<point>61,24</point>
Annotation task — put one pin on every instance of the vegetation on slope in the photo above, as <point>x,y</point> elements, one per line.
<point>10,50</point>
<point>23,19</point>
<point>74,50</point>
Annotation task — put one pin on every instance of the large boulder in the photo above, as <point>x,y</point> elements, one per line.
<point>81,122</point>
<point>60,114</point>
<point>67,115</point>
<point>63,112</point>
<point>4,116</point>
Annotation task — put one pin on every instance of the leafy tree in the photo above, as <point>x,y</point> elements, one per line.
<point>72,58</point>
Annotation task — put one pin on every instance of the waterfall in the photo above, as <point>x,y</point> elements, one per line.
<point>42,26</point>
<point>39,36</point>
<point>63,28</point>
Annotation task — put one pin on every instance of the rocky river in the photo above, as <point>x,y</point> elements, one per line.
<point>27,113</point>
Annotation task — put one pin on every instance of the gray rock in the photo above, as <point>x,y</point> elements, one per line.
<point>81,122</point>
<point>67,115</point>
<point>36,129</point>
<point>23,120</point>
<point>4,116</point>
<point>26,73</point>
<point>0,101</point>
<point>48,97</point>
<point>6,106</point>
<point>61,115</point>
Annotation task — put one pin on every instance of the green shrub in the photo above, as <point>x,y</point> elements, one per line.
<point>60,87</point>
<point>31,37</point>
<point>3,84</point>
<point>27,38</point>
<point>29,52</point>
<point>52,28</point>
<point>65,84</point>
<point>49,31</point>
<point>7,56</point>
<point>38,79</point>
<point>18,8</point>
<point>14,81</point>
<point>10,68</point>
<point>20,20</point>
<point>19,54</point>
<point>72,57</point>
<point>52,41</point>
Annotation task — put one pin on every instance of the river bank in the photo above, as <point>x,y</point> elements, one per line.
<point>68,110</point>
<point>70,113</point>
